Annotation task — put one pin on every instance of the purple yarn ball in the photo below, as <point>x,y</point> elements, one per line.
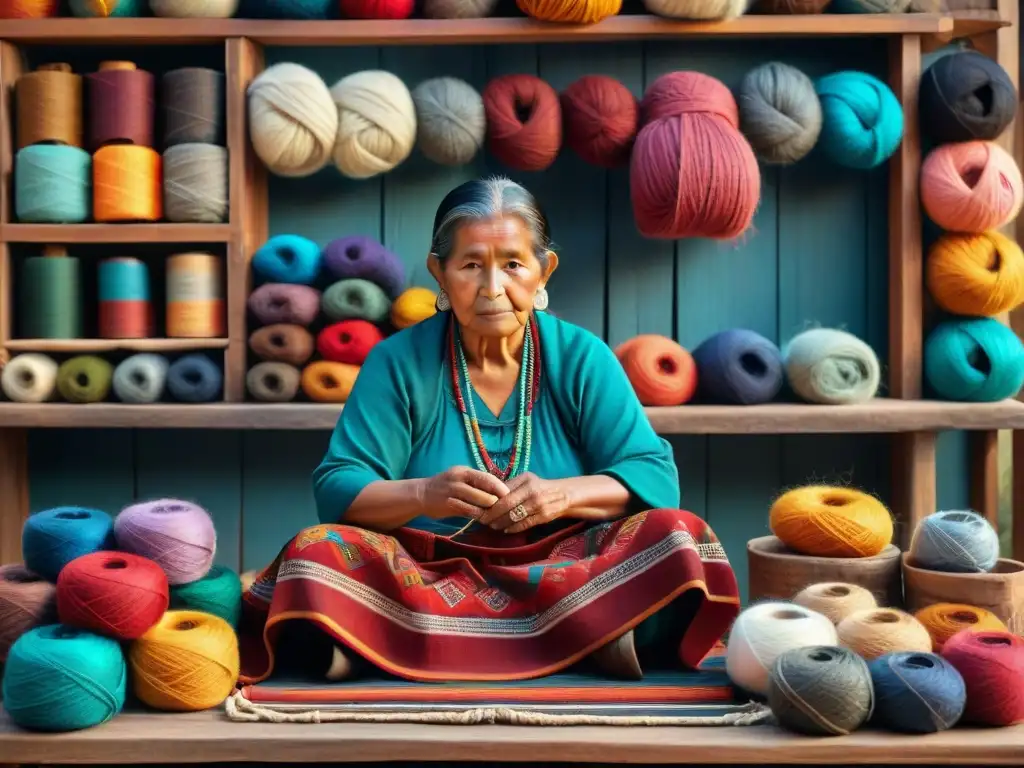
<point>738,367</point>
<point>177,535</point>
<point>283,303</point>
<point>366,259</point>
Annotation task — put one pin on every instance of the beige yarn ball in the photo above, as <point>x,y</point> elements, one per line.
<point>697,10</point>
<point>376,123</point>
<point>194,9</point>
<point>458,9</point>
<point>292,120</point>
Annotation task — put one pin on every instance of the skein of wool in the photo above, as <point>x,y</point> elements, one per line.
<point>54,537</point>
<point>763,632</point>
<point>282,343</point>
<point>524,122</point>
<point>280,303</point>
<point>835,600</point>
<point>272,382</point>
<point>831,367</point>
<point>289,259</point>
<point>976,275</point>
<point>992,667</point>
<point>186,663</point>
<point>26,601</point>
<point>601,117</point>
<point>414,305</point>
<point>977,360</point>
<point>177,535</point>
<point>661,371</point>
<point>862,120</point>
<point>218,593</point>
<point>349,341</point>
<point>451,120</point>
<point>196,183</point>
<point>697,10</point>
<point>877,631</point>
<point>917,692</point>
<point>327,382</point>
<point>364,258</point>
<point>780,113</point>
<point>459,9</point>
<point>738,367</point>
<point>377,9</point>
<point>140,378</point>
<point>955,541</point>
<point>84,379</point>
<point>692,174</point>
<point>194,378</point>
<point>29,378</point>
<point>576,12</point>
<point>825,521</point>
<point>113,594</point>
<point>355,298</point>
<point>376,123</point>
<point>966,95</point>
<point>943,620</point>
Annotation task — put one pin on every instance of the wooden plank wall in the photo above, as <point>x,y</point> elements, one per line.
<point>817,255</point>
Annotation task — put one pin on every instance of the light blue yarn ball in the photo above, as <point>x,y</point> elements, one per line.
<point>140,378</point>
<point>52,184</point>
<point>862,121</point>
<point>955,541</point>
<point>976,359</point>
<point>54,537</point>
<point>288,259</point>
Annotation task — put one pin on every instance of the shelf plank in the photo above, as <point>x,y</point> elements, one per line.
<point>112,345</point>
<point>77,234</point>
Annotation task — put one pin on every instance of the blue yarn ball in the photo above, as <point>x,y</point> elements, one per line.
<point>194,379</point>
<point>738,367</point>
<point>955,541</point>
<point>917,692</point>
<point>288,259</point>
<point>975,359</point>
<point>53,538</point>
<point>289,9</point>
<point>862,121</point>
<point>52,184</point>
<point>59,678</point>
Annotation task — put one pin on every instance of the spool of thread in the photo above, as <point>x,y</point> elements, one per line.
<point>877,631</point>
<point>601,118</point>
<point>140,378</point>
<point>524,122</point>
<point>50,296</point>
<point>765,631</point>
<point>194,9</point>
<point>349,341</point>
<point>52,184</point>
<point>29,378</point>
<point>955,541</point>
<point>976,275</point>
<point>59,678</point>
<point>964,96</point>
<point>195,296</point>
<point>451,123</point>
<point>835,599</point>
<point>271,382</point>
<point>917,692</point>
<point>364,258</point>
<point>943,620</point>
<point>661,371</point>
<point>292,259</point>
<point>48,106</point>
<point>738,367</point>
<point>459,9</point>
<point>196,183</point>
<point>585,12</point>
<point>218,593</point>
<point>193,102</point>
<point>992,667</point>
<point>831,367</point>
<point>358,299</point>
<point>54,537</point>
<point>122,106</point>
<point>821,690</point>
<point>291,344</point>
<point>280,303</point>
<point>977,360</point>
<point>127,184</point>
<point>779,112</point>
<point>26,601</point>
<point>125,311</point>
<point>113,594</point>
<point>177,535</point>
<point>826,521</point>
<point>862,120</point>
<point>327,382</point>
<point>29,9</point>
<point>414,305</point>
<point>84,379</point>
<point>195,378</point>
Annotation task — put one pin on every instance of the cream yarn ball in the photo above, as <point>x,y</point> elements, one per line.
<point>194,9</point>
<point>458,9</point>
<point>292,120</point>
<point>376,123</point>
<point>697,10</point>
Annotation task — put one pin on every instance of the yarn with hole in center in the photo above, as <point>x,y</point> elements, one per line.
<point>218,593</point>
<point>273,382</point>
<point>195,378</point>
<point>413,305</point>
<point>27,600</point>
<point>451,120</point>
<point>29,9</point>
<point>194,9</point>
<point>363,258</point>
<point>836,600</point>
<point>52,538</point>
<point>282,343</point>
<point>943,620</point>
<point>661,372</point>
<point>826,521</point>
<point>697,10</point>
<point>955,541</point>
<point>524,122</point>
<point>327,382</point>
<point>600,119</point>
<point>349,341</point>
<point>992,667</point>
<point>355,298</point>
<point>291,259</point>
<point>84,379</point>
<point>831,367</point>
<point>280,303</point>
<point>862,120</point>
<point>877,631</point>
<point>780,113</point>
<point>570,11</point>
<point>140,378</point>
<point>177,535</point>
<point>976,275</point>
<point>971,186</point>
<point>377,9</point>
<point>459,9</point>
<point>966,95</point>
<point>376,123</point>
<point>974,359</point>
<point>917,692</point>
<point>29,378</point>
<point>738,367</point>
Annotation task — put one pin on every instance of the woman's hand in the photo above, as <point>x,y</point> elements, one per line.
<point>530,502</point>
<point>461,491</point>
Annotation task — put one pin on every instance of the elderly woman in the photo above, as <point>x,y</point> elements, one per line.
<point>495,503</point>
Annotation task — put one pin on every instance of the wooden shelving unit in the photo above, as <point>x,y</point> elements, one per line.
<point>80,234</point>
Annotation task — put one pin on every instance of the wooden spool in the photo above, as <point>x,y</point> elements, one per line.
<point>1000,591</point>
<point>778,573</point>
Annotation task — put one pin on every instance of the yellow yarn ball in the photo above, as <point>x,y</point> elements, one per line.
<point>943,620</point>
<point>825,521</point>
<point>570,11</point>
<point>878,631</point>
<point>835,600</point>
<point>413,306</point>
<point>376,123</point>
<point>976,275</point>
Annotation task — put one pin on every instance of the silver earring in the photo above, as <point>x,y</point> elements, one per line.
<point>540,299</point>
<point>442,304</point>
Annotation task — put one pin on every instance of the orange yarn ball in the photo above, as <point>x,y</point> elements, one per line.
<point>976,275</point>
<point>824,521</point>
<point>570,11</point>
<point>972,186</point>
<point>662,372</point>
<point>943,620</point>
<point>28,9</point>
<point>327,382</point>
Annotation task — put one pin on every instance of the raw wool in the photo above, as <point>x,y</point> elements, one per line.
<point>376,123</point>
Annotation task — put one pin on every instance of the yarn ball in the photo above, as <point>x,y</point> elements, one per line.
<point>218,593</point>
<point>780,113</point>
<point>349,341</point>
<point>976,275</point>
<point>26,601</point>
<point>282,343</point>
<point>29,9</point>
<point>870,6</point>
<point>790,7</point>
<point>355,298</point>
<point>966,95</point>
<point>194,9</point>
<point>289,9</point>
<point>195,378</point>
<point>292,120</point>
<point>413,306</point>
<point>60,679</point>
<point>459,9</point>
<point>140,378</point>
<point>836,600</point>
<point>573,12</point>
<point>84,379</point>
<point>524,122</point>
<point>992,666</point>
<point>114,594</point>
<point>820,690</point>
<point>943,620</point>
<point>364,258</point>
<point>377,9</point>
<point>288,259</point>
<point>376,123</point>
<point>177,535</point>
<point>971,186</point>
<point>977,360</point>
<point>763,632</point>
<point>917,692</point>
<point>273,382</point>
<point>107,8</point>
<point>697,10</point>
<point>738,367</point>
<point>280,303</point>
<point>826,521</point>
<point>862,120</point>
<point>955,541</point>
<point>451,120</point>
<point>54,537</point>
<point>600,120</point>
<point>186,663</point>
<point>692,174</point>
<point>327,382</point>
<point>29,378</point>
<point>877,631</point>
<point>831,367</point>
<point>660,370</point>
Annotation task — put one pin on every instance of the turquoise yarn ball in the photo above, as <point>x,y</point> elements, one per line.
<point>53,538</point>
<point>289,9</point>
<point>102,9</point>
<point>58,678</point>
<point>52,184</point>
<point>862,121</point>
<point>288,259</point>
<point>976,359</point>
<point>219,593</point>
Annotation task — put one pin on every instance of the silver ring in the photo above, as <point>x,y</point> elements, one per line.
<point>518,513</point>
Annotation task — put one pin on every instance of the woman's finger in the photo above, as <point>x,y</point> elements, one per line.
<point>462,509</point>
<point>470,495</point>
<point>506,504</point>
<point>484,481</point>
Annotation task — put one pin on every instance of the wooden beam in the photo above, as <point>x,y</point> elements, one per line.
<point>13,492</point>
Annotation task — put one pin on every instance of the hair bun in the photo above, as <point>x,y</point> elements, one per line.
<point>683,93</point>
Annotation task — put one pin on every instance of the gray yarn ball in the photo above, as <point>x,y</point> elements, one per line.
<point>272,382</point>
<point>140,379</point>
<point>451,122</point>
<point>458,9</point>
<point>780,113</point>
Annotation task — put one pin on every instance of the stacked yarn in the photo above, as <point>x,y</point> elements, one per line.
<point>992,667</point>
<point>877,631</point>
<point>943,620</point>
<point>836,600</point>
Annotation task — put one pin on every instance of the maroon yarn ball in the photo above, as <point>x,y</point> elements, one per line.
<point>349,341</point>
<point>600,119</point>
<point>274,303</point>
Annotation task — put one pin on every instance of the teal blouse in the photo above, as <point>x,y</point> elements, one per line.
<point>401,421</point>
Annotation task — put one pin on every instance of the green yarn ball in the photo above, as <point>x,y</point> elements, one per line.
<point>356,298</point>
<point>84,379</point>
<point>219,593</point>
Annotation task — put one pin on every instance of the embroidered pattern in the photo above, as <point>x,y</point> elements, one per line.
<point>450,593</point>
<point>494,599</point>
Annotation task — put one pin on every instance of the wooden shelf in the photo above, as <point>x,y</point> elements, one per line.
<point>77,234</point>
<point>112,345</point>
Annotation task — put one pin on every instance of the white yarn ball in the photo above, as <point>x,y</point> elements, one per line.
<point>765,631</point>
<point>194,9</point>
<point>376,123</point>
<point>29,378</point>
<point>697,10</point>
<point>831,367</point>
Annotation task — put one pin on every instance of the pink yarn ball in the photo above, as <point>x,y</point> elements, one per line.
<point>177,535</point>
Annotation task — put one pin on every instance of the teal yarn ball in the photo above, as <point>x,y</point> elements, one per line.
<point>54,537</point>
<point>289,9</point>
<point>976,359</point>
<point>52,184</point>
<point>103,9</point>
<point>289,259</point>
<point>58,678</point>
<point>862,121</point>
<point>219,593</point>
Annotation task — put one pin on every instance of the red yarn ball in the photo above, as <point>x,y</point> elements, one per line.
<point>349,341</point>
<point>524,122</point>
<point>600,120</point>
<point>377,9</point>
<point>992,666</point>
<point>116,594</point>
<point>693,174</point>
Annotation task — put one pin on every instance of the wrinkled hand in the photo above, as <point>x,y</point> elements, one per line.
<point>543,500</point>
<point>461,491</point>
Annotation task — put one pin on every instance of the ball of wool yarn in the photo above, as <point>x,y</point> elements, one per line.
<point>971,186</point>
<point>349,341</point>
<point>107,8</point>
<point>186,663</point>
<point>600,119</point>
<point>976,275</point>
<point>364,258</point>
<point>661,371</point>
<point>836,600</point>
<point>765,631</point>
<point>288,259</point>
<point>282,343</point>
<point>790,7</point>
<point>575,12</point>
<point>692,173</point>
<point>140,378</point>
<point>697,10</point>
<point>355,298</point>
<point>280,303</point>
<point>195,379</point>
<point>194,9</point>
<point>955,541</point>
<point>218,593</point>
<point>976,360</point>
<point>59,678</point>
<point>832,367</point>
<point>966,95</point>
<point>780,113</point>
<point>451,120</point>
<point>84,379</point>
<point>413,306</point>
<point>869,6</point>
<point>738,367</point>
<point>377,9</point>
<point>272,382</point>
<point>917,692</point>
<point>29,378</point>
<point>459,9</point>
<point>114,594</point>
<point>862,121</point>
<point>26,601</point>
<point>288,9</point>
<point>292,120</point>
<point>177,535</point>
<point>376,123</point>
<point>992,667</point>
<point>826,521</point>
<point>820,690</point>
<point>327,382</point>
<point>878,631</point>
<point>54,537</point>
<point>943,620</point>
<point>524,122</point>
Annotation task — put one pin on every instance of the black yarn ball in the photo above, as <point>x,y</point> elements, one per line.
<point>964,96</point>
<point>738,367</point>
